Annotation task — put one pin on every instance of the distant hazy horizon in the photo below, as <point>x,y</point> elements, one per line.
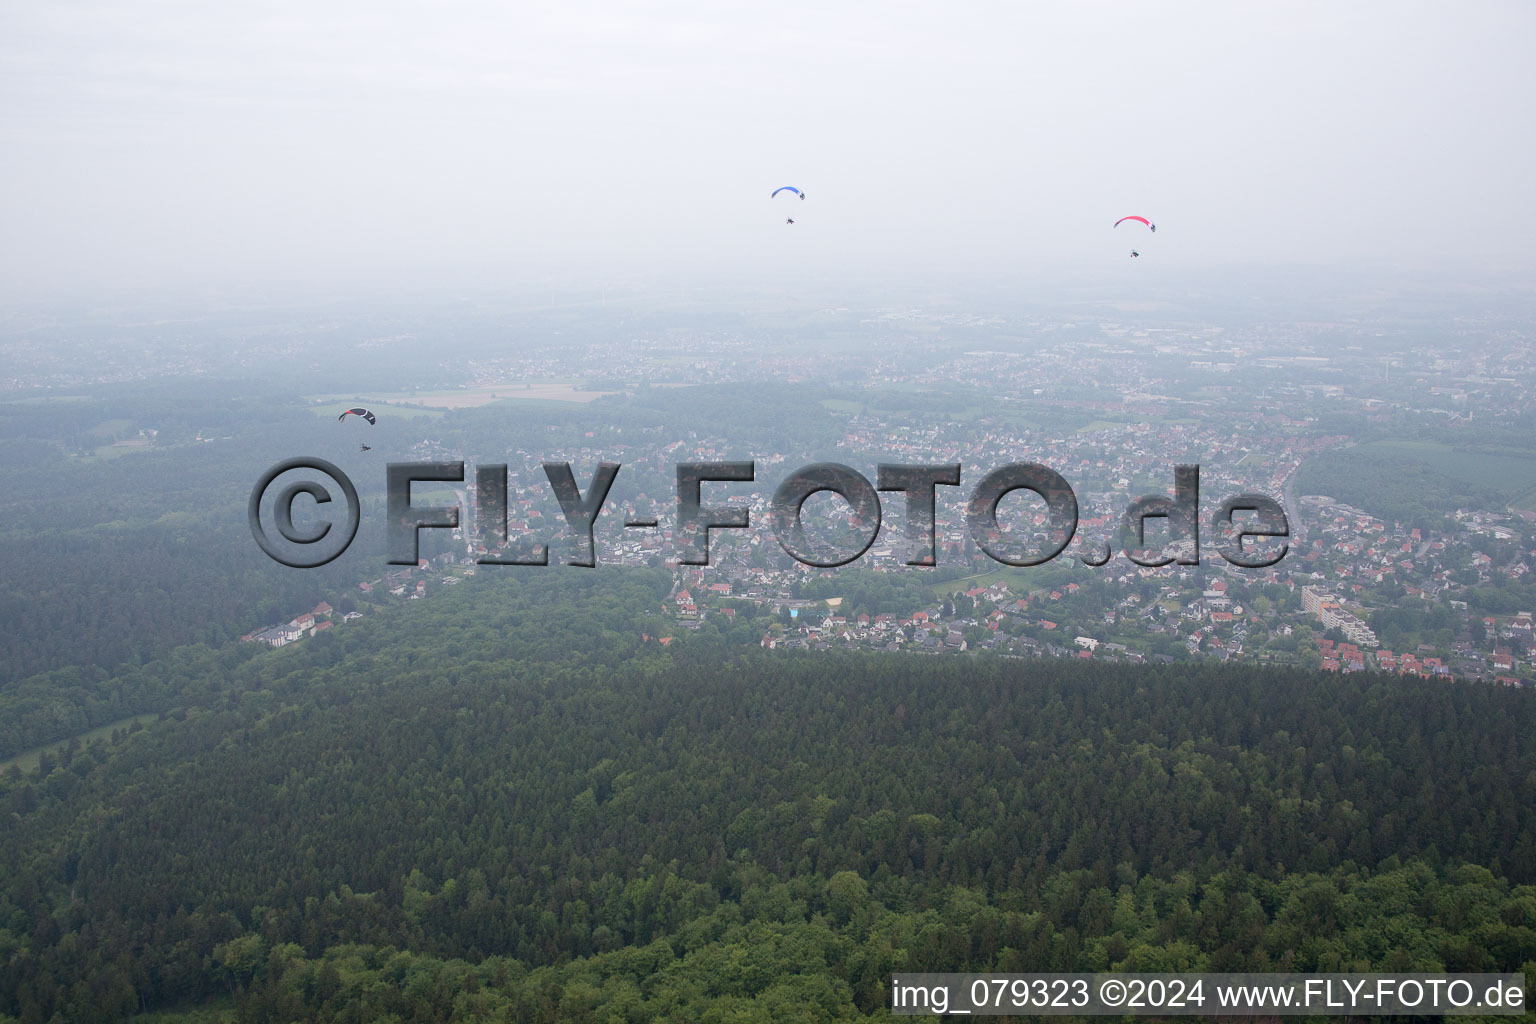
<point>175,146</point>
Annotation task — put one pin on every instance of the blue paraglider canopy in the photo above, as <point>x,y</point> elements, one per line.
<point>788,188</point>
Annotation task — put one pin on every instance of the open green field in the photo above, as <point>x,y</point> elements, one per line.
<point>842,405</point>
<point>986,579</point>
<point>967,413</point>
<point>114,451</point>
<point>549,390</point>
<point>108,428</point>
<point>332,409</point>
<point>1020,581</point>
<point>27,761</point>
<point>1022,420</point>
<point>46,399</point>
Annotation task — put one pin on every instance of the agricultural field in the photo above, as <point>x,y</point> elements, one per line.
<point>472,397</point>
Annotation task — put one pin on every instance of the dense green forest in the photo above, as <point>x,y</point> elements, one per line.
<point>507,804</point>
<point>143,563</point>
<point>112,562</point>
<point>1420,483</point>
<point>510,802</point>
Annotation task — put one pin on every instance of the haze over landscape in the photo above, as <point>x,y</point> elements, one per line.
<point>757,790</point>
<point>175,146</point>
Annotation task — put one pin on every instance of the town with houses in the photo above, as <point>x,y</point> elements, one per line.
<point>1113,407</point>
<point>1278,615</point>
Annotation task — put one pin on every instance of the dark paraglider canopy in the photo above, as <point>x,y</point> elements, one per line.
<point>364,413</point>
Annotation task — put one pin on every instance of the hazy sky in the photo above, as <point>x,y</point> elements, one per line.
<point>173,143</point>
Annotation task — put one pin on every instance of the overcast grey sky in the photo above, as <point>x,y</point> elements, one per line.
<point>172,143</point>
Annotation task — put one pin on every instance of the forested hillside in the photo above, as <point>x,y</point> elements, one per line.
<point>506,803</point>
